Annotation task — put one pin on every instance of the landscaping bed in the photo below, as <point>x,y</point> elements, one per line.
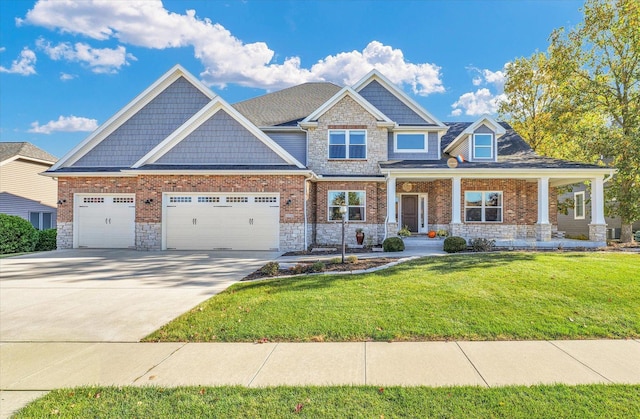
<point>307,266</point>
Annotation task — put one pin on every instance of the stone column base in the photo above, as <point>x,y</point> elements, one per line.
<point>543,232</point>
<point>392,229</point>
<point>64,237</point>
<point>456,229</point>
<point>598,232</point>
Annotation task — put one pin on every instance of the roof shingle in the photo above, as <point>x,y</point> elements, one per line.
<point>24,149</point>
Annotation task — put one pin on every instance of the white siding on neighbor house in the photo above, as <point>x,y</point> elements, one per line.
<point>21,178</point>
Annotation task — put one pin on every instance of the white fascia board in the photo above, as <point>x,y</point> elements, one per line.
<point>497,173</point>
<point>418,128</point>
<point>120,173</point>
<point>271,128</point>
<point>344,92</point>
<point>397,92</point>
<point>201,117</point>
<point>31,159</point>
<point>139,102</point>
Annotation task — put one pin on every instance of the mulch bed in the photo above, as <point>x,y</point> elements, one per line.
<point>360,264</point>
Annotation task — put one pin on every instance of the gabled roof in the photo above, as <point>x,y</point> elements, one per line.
<point>398,93</point>
<point>129,110</point>
<point>470,128</point>
<point>10,151</point>
<point>209,110</point>
<point>288,106</point>
<point>346,92</point>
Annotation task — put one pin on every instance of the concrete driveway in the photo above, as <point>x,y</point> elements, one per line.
<point>105,295</point>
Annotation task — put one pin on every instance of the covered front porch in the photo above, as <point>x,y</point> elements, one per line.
<point>517,209</point>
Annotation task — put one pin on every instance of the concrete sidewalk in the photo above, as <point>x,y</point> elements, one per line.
<point>37,367</point>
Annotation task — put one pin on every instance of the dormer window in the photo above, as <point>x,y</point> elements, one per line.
<point>482,146</point>
<point>410,142</point>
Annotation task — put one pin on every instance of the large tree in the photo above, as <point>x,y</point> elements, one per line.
<point>581,98</point>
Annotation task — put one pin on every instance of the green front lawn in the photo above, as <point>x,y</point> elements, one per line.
<point>490,296</point>
<point>559,401</point>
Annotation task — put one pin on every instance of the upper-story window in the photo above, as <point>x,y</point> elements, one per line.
<point>579,210</point>
<point>347,144</point>
<point>482,146</point>
<point>410,142</point>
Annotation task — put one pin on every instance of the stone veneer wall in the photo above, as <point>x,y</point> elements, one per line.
<point>151,187</point>
<point>347,111</point>
<point>64,237</point>
<point>330,232</point>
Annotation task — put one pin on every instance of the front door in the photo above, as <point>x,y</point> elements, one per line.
<point>410,212</point>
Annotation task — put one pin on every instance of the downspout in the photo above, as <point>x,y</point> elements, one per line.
<point>306,194</point>
<point>386,217</point>
<point>608,178</point>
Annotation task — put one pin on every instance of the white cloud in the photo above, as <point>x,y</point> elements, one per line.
<point>2,49</point>
<point>146,23</point>
<point>66,76</point>
<point>483,100</point>
<point>24,65</point>
<point>480,102</point>
<point>100,60</point>
<point>65,124</point>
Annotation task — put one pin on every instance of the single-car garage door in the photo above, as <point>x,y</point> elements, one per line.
<point>104,220</point>
<point>222,221</point>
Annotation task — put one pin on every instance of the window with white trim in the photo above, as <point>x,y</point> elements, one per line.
<point>353,200</point>
<point>483,206</point>
<point>41,220</point>
<point>347,144</point>
<point>483,146</point>
<point>410,142</point>
<point>579,206</point>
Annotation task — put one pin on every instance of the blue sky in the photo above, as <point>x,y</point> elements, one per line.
<point>67,66</point>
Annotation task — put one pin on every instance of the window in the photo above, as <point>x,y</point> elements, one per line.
<point>410,142</point>
<point>578,199</point>
<point>41,220</point>
<point>354,200</point>
<point>347,144</point>
<point>483,207</point>
<point>482,146</point>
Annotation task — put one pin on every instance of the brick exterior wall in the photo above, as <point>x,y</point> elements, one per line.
<point>151,187</point>
<point>324,231</point>
<point>346,114</point>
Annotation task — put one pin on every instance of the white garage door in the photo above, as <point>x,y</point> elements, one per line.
<point>104,220</point>
<point>221,221</point>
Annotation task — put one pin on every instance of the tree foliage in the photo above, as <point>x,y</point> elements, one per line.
<point>581,98</point>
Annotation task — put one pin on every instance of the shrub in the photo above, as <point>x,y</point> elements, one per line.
<point>442,233</point>
<point>46,240</point>
<point>299,268</point>
<point>455,244</point>
<point>393,244</point>
<point>482,245</point>
<point>333,261</point>
<point>270,269</point>
<point>317,266</point>
<point>351,259</point>
<point>637,237</point>
<point>17,235</point>
<point>404,232</point>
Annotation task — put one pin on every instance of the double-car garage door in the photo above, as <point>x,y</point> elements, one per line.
<point>221,221</point>
<point>202,221</point>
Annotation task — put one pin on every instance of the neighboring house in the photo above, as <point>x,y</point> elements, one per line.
<point>575,223</point>
<point>22,191</point>
<point>180,168</point>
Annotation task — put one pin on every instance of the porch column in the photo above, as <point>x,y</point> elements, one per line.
<point>455,200</point>
<point>598,226</point>
<point>391,199</point>
<point>391,227</point>
<point>543,228</point>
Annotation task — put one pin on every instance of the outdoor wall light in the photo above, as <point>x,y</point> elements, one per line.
<point>288,202</point>
<point>61,201</point>
<point>148,201</point>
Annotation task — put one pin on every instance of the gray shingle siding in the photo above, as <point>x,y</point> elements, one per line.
<point>221,140</point>
<point>148,127</point>
<point>390,105</point>
<point>433,151</point>
<point>294,142</point>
